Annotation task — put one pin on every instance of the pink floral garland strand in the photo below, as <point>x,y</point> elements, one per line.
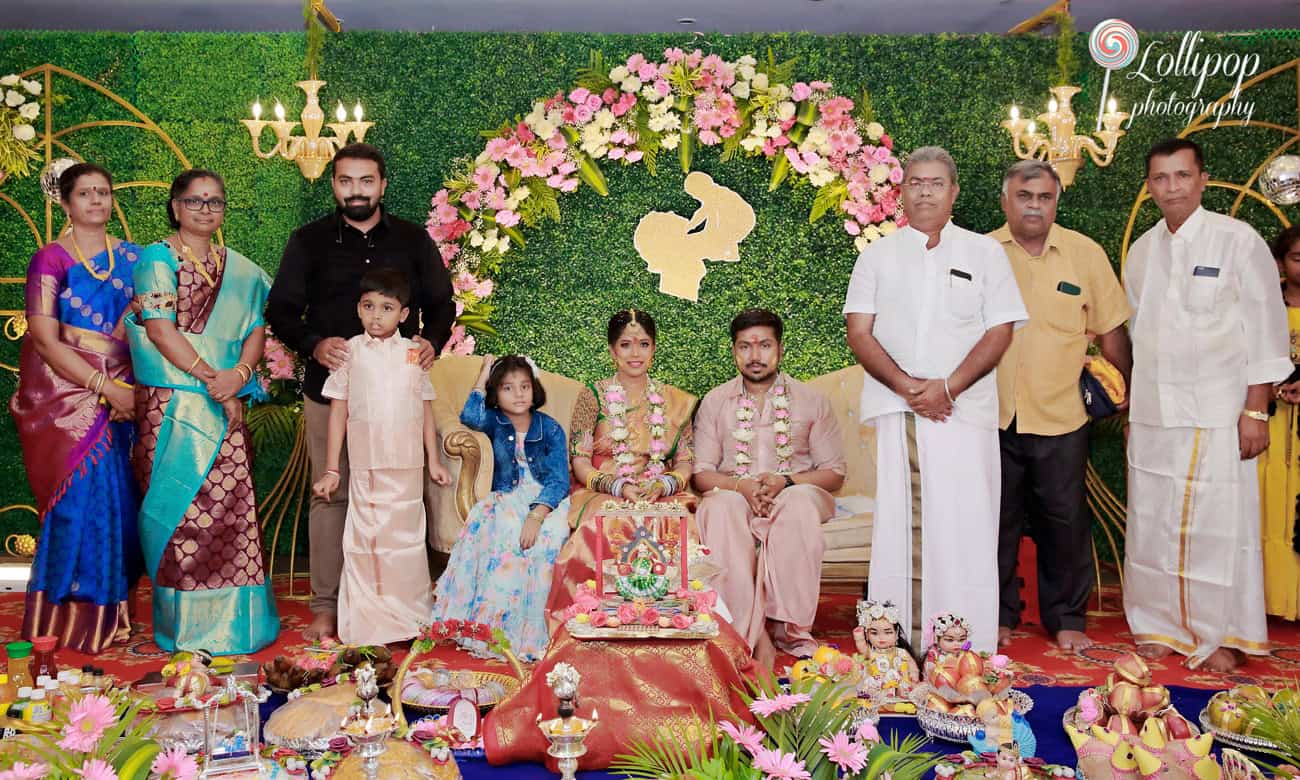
<point>616,404</point>
<point>640,109</point>
<point>743,433</point>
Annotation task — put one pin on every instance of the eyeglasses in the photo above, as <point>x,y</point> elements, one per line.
<point>926,185</point>
<point>215,205</point>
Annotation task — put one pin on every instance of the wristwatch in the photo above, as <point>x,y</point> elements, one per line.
<point>1254,415</point>
<point>789,481</point>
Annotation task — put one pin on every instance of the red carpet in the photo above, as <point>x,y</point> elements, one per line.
<point>1040,662</point>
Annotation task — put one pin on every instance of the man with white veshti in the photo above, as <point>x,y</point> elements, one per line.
<point>1210,338</point>
<point>930,310</point>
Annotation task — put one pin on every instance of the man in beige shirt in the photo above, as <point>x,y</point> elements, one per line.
<point>1071,292</point>
<point>768,455</point>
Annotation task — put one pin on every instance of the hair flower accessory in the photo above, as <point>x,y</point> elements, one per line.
<point>869,611</point>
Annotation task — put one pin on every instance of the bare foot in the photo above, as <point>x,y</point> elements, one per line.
<point>322,627</point>
<point>1154,652</point>
<point>1224,660</point>
<point>1072,641</point>
<point>1004,636</point>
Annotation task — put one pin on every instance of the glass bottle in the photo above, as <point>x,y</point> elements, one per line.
<point>43,659</point>
<point>20,663</point>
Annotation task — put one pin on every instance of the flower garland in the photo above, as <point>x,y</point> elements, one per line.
<point>19,108</point>
<point>743,433</point>
<point>632,114</point>
<point>616,404</point>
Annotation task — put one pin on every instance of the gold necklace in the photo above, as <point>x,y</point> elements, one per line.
<point>189,255</point>
<point>81,258</point>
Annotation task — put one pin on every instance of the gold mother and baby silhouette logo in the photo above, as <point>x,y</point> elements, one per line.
<point>676,247</point>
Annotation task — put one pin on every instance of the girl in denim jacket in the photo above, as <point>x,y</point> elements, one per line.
<point>499,572</point>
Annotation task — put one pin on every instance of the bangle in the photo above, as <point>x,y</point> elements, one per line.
<point>948,392</point>
<point>616,487</point>
<point>90,380</point>
<point>99,383</point>
<point>335,472</point>
<point>197,359</point>
<point>1254,415</point>
<point>592,477</point>
<point>247,373</point>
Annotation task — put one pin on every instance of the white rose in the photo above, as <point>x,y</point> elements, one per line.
<point>875,130</point>
<point>519,195</point>
<point>619,434</point>
<point>475,238</point>
<point>744,434</point>
<point>9,81</point>
<point>759,81</point>
<point>887,227</point>
<point>740,89</point>
<point>745,71</point>
<point>503,244</point>
<point>747,60</point>
<point>631,84</point>
<point>33,87</point>
<point>30,110</point>
<point>751,143</point>
<point>618,74</point>
<point>817,140</point>
<point>879,173</point>
<point>871,233</point>
<point>670,141</point>
<point>24,132</point>
<point>544,130</point>
<point>649,94</point>
<point>605,119</point>
<point>14,98</point>
<point>821,176</point>
<point>785,110</point>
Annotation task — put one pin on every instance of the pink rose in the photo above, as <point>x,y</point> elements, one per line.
<point>782,439</point>
<point>609,96</point>
<point>650,616</point>
<point>661,88</point>
<point>599,618</point>
<point>646,72</point>
<point>579,95</point>
<point>582,114</point>
<point>801,91</point>
<point>634,156</point>
<point>682,620</point>
<point>635,61</point>
<point>843,665</point>
<point>593,103</point>
<point>626,613</point>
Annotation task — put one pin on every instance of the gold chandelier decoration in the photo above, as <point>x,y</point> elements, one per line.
<point>1062,148</point>
<point>312,151</point>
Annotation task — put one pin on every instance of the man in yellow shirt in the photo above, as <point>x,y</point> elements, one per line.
<point>1071,293</point>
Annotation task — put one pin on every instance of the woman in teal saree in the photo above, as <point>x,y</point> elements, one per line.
<point>200,334</point>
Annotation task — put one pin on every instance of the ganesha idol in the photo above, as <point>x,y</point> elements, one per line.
<point>962,681</point>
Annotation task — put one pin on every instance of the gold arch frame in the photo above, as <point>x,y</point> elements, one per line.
<point>1110,512</point>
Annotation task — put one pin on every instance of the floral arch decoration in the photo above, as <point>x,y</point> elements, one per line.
<point>636,112</point>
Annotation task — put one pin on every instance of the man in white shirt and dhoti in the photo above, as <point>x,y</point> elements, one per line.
<point>930,310</point>
<point>1210,338</point>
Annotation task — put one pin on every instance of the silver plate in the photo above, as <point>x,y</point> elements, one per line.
<point>959,728</point>
<point>307,748</point>
<point>1242,741</point>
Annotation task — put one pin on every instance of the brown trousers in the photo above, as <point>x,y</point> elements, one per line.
<point>327,519</point>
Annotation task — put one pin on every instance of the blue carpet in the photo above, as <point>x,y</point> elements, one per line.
<point>1050,703</point>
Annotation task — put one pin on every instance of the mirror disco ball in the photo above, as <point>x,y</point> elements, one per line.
<point>1280,181</point>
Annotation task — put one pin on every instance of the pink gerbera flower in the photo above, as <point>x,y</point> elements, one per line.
<point>86,723</point>
<point>843,752</point>
<point>21,771</point>
<point>776,765</point>
<point>175,764</point>
<point>96,769</point>
<point>744,735</point>
<point>781,703</point>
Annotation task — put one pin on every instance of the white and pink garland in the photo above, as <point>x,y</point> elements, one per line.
<point>743,433</point>
<point>632,114</point>
<point>616,405</point>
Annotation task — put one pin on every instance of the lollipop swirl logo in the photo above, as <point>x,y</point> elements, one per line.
<point>1113,44</point>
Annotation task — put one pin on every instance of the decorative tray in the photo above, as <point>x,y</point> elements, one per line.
<point>959,728</point>
<point>486,689</point>
<point>1242,741</point>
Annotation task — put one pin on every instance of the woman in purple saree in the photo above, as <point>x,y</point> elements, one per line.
<point>73,411</point>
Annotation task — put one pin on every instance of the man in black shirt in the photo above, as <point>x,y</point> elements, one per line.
<point>312,309</point>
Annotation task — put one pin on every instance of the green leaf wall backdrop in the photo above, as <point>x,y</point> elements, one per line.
<point>430,95</point>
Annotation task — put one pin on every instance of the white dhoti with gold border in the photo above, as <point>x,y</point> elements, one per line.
<point>1193,564</point>
<point>957,469</point>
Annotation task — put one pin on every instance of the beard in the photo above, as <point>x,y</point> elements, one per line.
<point>752,375</point>
<point>359,209</point>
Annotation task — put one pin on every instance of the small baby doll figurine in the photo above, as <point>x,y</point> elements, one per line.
<point>1010,765</point>
<point>889,664</point>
